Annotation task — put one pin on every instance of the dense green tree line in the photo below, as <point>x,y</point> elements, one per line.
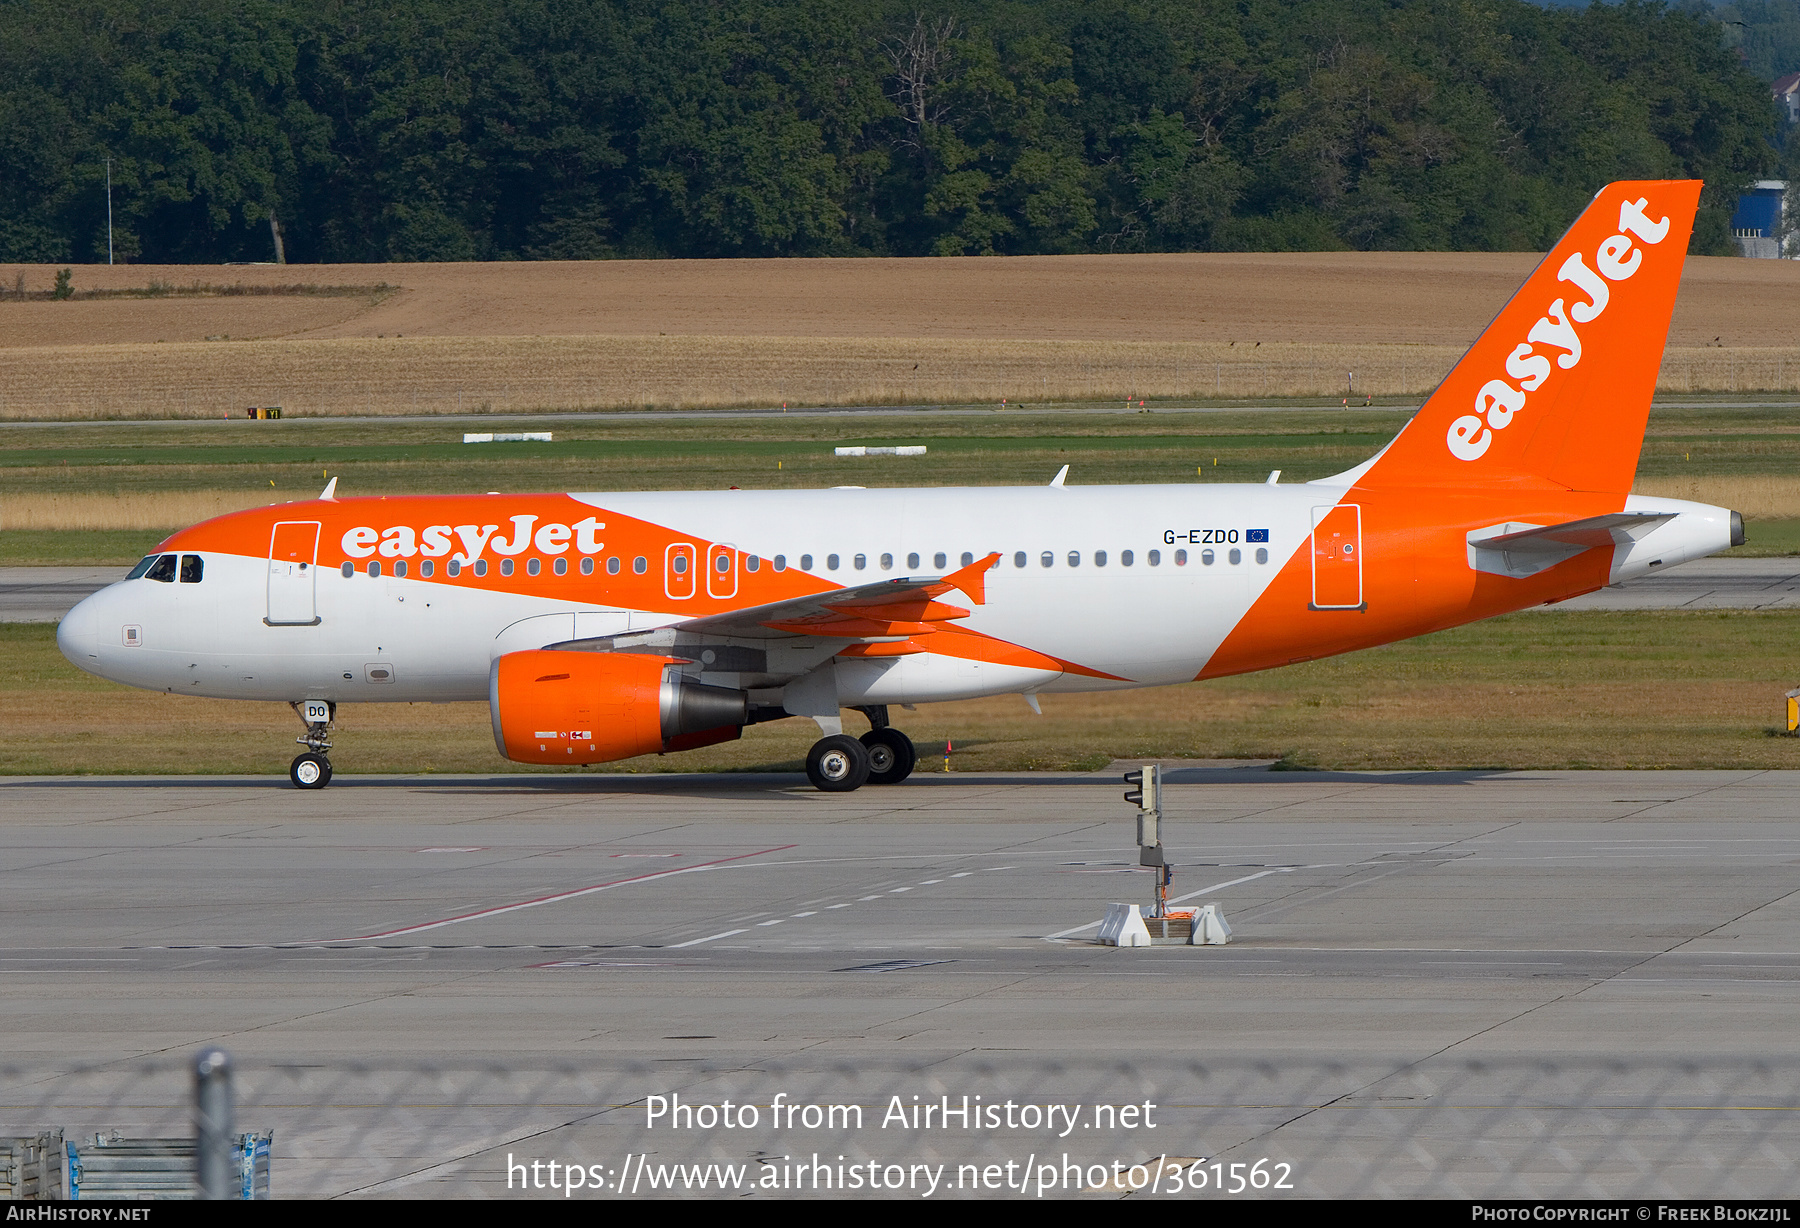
<point>531,129</point>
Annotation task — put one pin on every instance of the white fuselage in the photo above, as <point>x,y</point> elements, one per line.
<point>1138,584</point>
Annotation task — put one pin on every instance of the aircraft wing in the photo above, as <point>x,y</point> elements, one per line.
<point>881,611</point>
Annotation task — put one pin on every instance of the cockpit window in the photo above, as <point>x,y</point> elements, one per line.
<point>163,569</point>
<point>191,568</point>
<point>138,571</point>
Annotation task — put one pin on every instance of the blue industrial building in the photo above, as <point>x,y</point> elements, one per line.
<point>1756,227</point>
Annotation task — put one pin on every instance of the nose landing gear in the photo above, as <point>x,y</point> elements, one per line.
<point>312,770</point>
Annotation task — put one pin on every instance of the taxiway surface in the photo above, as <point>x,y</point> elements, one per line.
<point>749,918</point>
<point>45,594</point>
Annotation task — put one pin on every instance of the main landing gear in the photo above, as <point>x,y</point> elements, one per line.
<point>891,756</point>
<point>312,770</point>
<point>882,756</point>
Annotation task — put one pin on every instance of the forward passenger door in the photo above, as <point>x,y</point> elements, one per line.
<point>293,555</point>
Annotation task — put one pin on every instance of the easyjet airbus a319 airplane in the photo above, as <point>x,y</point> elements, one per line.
<point>602,626</point>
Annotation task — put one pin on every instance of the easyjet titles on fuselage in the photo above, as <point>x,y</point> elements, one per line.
<point>434,541</point>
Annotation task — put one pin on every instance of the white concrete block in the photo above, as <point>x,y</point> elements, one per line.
<point>1210,929</point>
<point>1123,926</point>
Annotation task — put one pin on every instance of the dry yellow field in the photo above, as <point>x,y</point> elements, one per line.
<point>454,375</point>
<point>1313,298</point>
<point>613,334</point>
<point>1759,497</point>
<point>168,509</point>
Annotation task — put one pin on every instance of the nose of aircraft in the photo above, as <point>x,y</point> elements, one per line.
<point>78,634</point>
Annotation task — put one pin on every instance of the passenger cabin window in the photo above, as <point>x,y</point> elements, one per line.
<point>427,569</point>
<point>831,562</point>
<point>481,567</point>
<point>806,562</point>
<point>967,558</point>
<point>1099,558</point>
<point>781,562</point>
<point>1126,558</point>
<point>533,566</point>
<point>451,569</point>
<point>640,565</point>
<point>887,562</point>
<point>191,569</point>
<point>1048,558</point>
<point>400,570</point>
<point>1206,557</point>
<point>912,562</point>
<point>163,570</point>
<point>374,569</point>
<point>612,567</point>
<point>1236,557</point>
<point>1262,556</point>
<point>753,563</point>
<point>1020,559</point>
<point>561,566</point>
<point>940,561</point>
<point>1154,558</point>
<point>861,561</point>
<point>1074,558</point>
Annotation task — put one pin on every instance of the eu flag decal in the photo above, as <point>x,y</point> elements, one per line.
<point>1256,535</point>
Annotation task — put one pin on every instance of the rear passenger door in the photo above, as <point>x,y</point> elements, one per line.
<point>1337,565</point>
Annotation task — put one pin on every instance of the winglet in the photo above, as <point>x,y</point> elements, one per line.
<point>330,492</point>
<point>1062,473</point>
<point>972,580</point>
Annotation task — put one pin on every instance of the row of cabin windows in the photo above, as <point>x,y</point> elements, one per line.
<point>453,568</point>
<point>1022,559</point>
<point>165,568</point>
<point>679,563</point>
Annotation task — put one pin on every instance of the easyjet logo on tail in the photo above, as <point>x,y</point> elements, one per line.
<point>1499,401</point>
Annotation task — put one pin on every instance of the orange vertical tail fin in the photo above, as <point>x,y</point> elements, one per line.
<point>1556,392</point>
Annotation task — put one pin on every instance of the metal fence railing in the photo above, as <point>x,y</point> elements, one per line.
<point>1009,1125</point>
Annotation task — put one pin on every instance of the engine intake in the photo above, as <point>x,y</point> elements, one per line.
<point>595,707</point>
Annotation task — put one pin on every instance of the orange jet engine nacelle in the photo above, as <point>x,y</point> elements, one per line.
<point>594,707</point>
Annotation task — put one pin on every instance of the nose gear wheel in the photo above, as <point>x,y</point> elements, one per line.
<point>310,771</point>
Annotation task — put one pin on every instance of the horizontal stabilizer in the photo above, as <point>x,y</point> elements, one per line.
<point>1514,549</point>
